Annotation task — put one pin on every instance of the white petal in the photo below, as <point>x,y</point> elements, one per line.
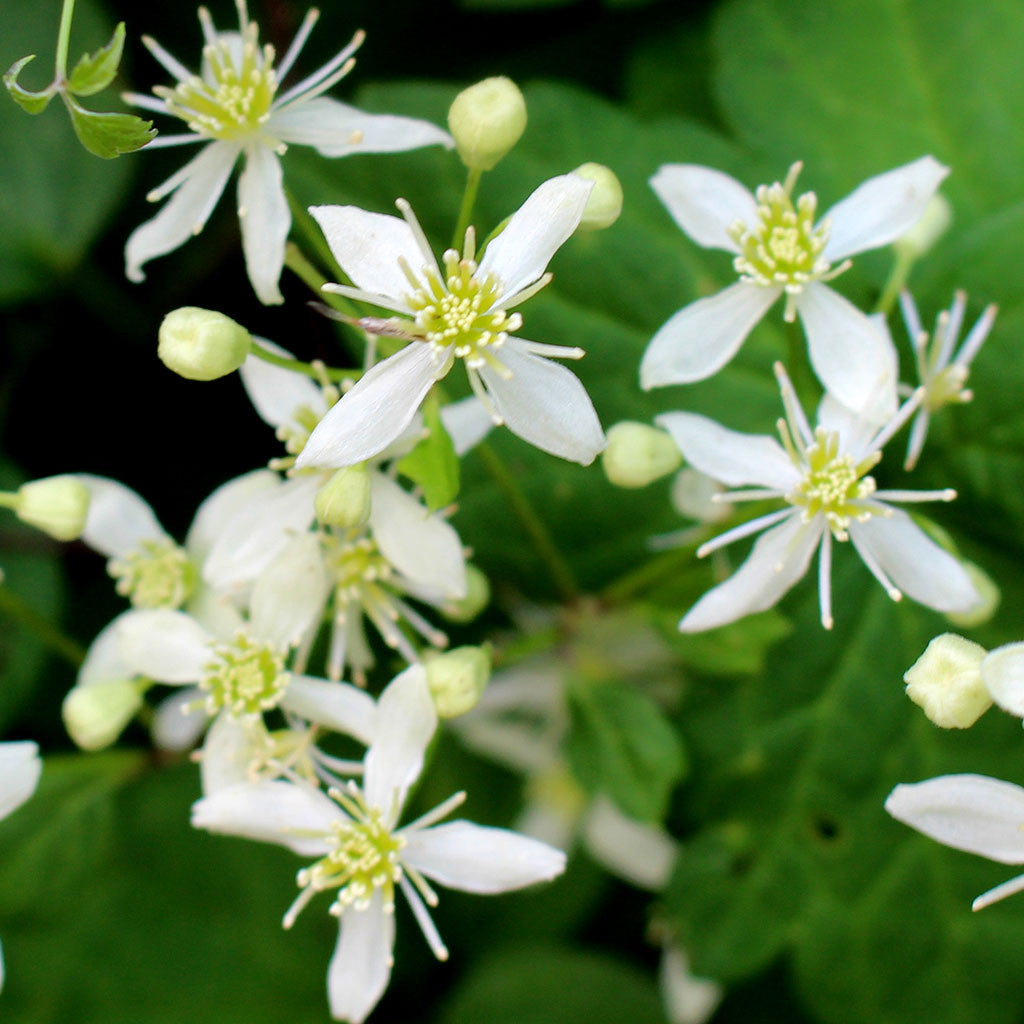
<point>265,219</point>
<point>534,233</point>
<point>552,823</point>
<point>855,432</point>
<point>185,213</point>
<point>915,563</point>
<point>467,423</point>
<point>336,129</point>
<point>338,706</point>
<point>20,768</point>
<point>375,412</point>
<point>226,755</point>
<point>545,404</point>
<point>368,246</point>
<point>215,612</point>
<point>277,393</point>
<point>689,1000</point>
<point>118,519</point>
<point>1003,674</point>
<point>634,850</point>
<point>881,209</point>
<point>104,661</point>
<point>461,855</point>
<point>179,720</point>
<point>729,456</point>
<point>968,812</point>
<point>420,545</point>
<point>290,594</point>
<point>778,559</point>
<point>215,516</point>
<point>287,813</point>
<point>705,202</point>
<point>851,356</point>
<point>703,336</point>
<point>360,968</point>
<point>170,647</point>
<point>404,725</point>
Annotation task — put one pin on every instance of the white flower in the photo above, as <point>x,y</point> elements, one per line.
<point>462,312</point>
<point>780,250</point>
<point>236,108</point>
<point>968,812</point>
<point>688,999</point>
<point>942,374</point>
<point>822,477</point>
<point>364,855</point>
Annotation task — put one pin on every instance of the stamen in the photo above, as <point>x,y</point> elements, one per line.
<point>293,51</point>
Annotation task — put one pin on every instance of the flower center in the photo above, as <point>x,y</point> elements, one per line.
<point>946,387</point>
<point>358,567</point>
<point>295,434</point>
<point>157,574</point>
<point>245,678</point>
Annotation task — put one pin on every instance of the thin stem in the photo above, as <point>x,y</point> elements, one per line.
<point>466,209</point>
<point>297,262</point>
<point>901,267</point>
<point>310,230</point>
<point>647,575</point>
<point>317,373</point>
<point>63,39</point>
<point>14,607</point>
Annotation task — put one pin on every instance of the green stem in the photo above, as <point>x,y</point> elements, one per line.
<point>466,209</point>
<point>310,230</point>
<point>317,373</point>
<point>63,39</point>
<point>303,268</point>
<point>45,631</point>
<point>901,267</point>
<point>638,580</point>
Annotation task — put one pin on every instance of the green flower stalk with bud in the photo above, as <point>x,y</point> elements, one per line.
<point>57,505</point>
<point>201,344</point>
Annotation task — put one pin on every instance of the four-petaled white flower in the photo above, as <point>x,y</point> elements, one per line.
<point>235,106</point>
<point>363,853</point>
<point>822,476</point>
<point>780,250</point>
<point>460,313</point>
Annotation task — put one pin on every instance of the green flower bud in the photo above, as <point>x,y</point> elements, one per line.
<point>605,202</point>
<point>57,505</point>
<point>988,601</point>
<point>926,230</point>
<point>345,499</point>
<point>95,714</point>
<point>201,344</point>
<point>638,454</point>
<point>457,678</point>
<point>478,596</point>
<point>945,682</point>
<point>486,120</point>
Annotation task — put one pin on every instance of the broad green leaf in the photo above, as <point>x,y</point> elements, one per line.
<point>433,464</point>
<point>29,101</point>
<point>109,135</point>
<point>95,71</point>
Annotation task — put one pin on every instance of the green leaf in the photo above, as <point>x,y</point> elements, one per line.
<point>29,101</point>
<point>433,464</point>
<point>621,744</point>
<point>109,135</point>
<point>95,71</point>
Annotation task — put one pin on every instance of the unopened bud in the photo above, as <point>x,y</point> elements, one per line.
<point>486,120</point>
<point>694,493</point>
<point>457,679</point>
<point>945,682</point>
<point>95,714</point>
<point>478,596</point>
<point>201,344</point>
<point>605,202</point>
<point>989,597</point>
<point>345,499</point>
<point>57,505</point>
<point>926,230</point>
<point>638,454</point>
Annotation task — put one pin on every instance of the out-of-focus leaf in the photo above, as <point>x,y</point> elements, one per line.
<point>29,101</point>
<point>95,71</point>
<point>109,135</point>
<point>433,464</point>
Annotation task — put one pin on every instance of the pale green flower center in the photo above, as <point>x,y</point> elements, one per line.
<point>295,434</point>
<point>245,677</point>
<point>358,567</point>
<point>157,574</point>
<point>946,387</point>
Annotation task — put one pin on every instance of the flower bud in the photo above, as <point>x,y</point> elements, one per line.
<point>988,601</point>
<point>457,679</point>
<point>605,202</point>
<point>946,682</point>
<point>926,230</point>
<point>201,344</point>
<point>57,505</point>
<point>345,499</point>
<point>486,120</point>
<point>638,454</point>
<point>96,713</point>
<point>478,596</point>
<point>693,496</point>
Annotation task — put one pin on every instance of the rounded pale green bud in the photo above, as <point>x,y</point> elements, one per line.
<point>605,202</point>
<point>988,601</point>
<point>57,505</point>
<point>457,679</point>
<point>478,596</point>
<point>486,120</point>
<point>201,344</point>
<point>638,454</point>
<point>345,499</point>
<point>945,682</point>
<point>96,714</point>
<point>926,230</point>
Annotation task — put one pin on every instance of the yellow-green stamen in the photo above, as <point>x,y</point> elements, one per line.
<point>156,574</point>
<point>246,677</point>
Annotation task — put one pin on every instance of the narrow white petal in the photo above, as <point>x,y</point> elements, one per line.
<point>1003,674</point>
<point>170,647</point>
<point>968,812</point>
<point>545,404</point>
<point>186,211</point>
<point>277,393</point>
<point>634,850</point>
<point>703,336</point>
<point>855,431</point>
<point>338,706</point>
<point>119,519</point>
<point>215,517</point>
<point>733,458</point>
<point>881,209</point>
<point>218,613</point>
<point>778,559</point>
<point>467,423</point>
<point>688,999</point>
<point>265,219</point>
<point>104,660</point>
<point>179,720</point>
<point>705,202</point>
<point>375,412</point>
<point>360,968</point>
<point>851,356</point>
<point>534,233</point>
<point>290,594</point>
<point>20,768</point>
<point>226,756</point>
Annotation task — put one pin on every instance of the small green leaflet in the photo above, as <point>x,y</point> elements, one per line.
<point>95,71</point>
<point>108,135</point>
<point>433,463</point>
<point>29,101</point>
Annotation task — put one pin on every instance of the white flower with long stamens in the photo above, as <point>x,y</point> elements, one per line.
<point>462,312</point>
<point>365,856</point>
<point>781,249</point>
<point>942,374</point>
<point>822,475</point>
<point>236,107</point>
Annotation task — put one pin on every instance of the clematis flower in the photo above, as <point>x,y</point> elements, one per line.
<point>460,313</point>
<point>822,476</point>
<point>780,249</point>
<point>968,812</point>
<point>364,855</point>
<point>237,108</point>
